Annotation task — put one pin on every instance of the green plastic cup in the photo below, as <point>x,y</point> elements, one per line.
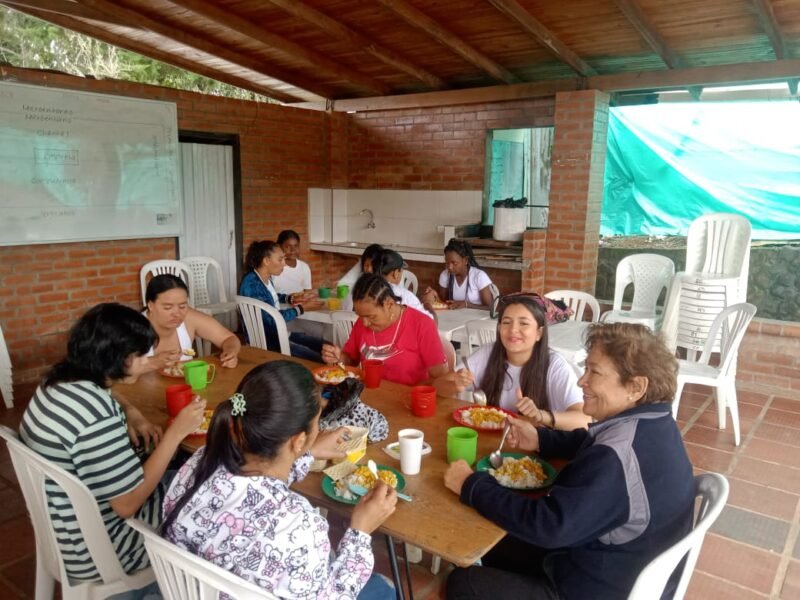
<point>342,291</point>
<point>462,443</point>
<point>324,292</point>
<point>198,374</point>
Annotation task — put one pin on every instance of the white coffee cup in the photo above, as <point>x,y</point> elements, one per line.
<point>410,450</point>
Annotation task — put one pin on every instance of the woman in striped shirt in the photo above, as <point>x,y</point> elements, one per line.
<point>75,422</point>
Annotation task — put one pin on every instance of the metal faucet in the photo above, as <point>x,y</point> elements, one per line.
<point>371,224</point>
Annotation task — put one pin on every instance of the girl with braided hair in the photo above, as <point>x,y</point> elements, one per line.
<point>463,283</point>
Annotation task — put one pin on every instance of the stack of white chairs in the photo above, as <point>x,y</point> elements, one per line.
<point>166,267</point>
<point>6,382</point>
<point>649,274</point>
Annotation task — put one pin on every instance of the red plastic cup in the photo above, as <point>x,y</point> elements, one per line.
<point>423,401</point>
<point>373,372</point>
<point>178,396</point>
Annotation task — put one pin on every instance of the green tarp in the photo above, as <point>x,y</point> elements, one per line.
<point>667,164</point>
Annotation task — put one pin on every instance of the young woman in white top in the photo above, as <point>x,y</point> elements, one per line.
<point>518,372</point>
<point>462,284</point>
<point>296,274</point>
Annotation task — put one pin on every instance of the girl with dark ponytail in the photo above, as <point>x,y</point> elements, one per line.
<point>463,283</point>
<point>231,502</point>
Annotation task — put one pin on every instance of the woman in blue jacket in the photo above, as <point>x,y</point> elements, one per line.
<point>264,260</point>
<point>626,495</point>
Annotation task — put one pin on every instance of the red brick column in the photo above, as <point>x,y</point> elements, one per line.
<point>534,247</point>
<point>576,190</point>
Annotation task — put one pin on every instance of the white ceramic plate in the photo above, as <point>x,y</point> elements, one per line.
<point>393,449</point>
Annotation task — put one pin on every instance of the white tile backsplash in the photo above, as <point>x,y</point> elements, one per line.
<point>402,217</point>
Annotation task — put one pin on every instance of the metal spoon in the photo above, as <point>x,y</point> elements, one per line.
<point>360,490</point>
<point>478,396</point>
<point>496,457</point>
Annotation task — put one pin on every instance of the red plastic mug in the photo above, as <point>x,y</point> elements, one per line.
<point>423,401</point>
<point>373,372</point>
<point>178,396</point>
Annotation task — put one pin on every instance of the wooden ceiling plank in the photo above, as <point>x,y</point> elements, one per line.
<point>165,57</point>
<point>63,7</point>
<point>135,19</point>
<point>497,93</point>
<point>544,36</point>
<point>343,32</point>
<point>641,23</point>
<point>273,41</point>
<point>766,16</point>
<point>420,20</point>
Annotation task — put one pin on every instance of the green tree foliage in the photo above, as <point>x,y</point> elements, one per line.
<point>30,43</point>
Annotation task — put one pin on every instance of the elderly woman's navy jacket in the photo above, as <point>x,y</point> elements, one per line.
<point>626,495</point>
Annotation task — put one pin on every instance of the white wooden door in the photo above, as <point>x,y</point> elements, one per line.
<point>208,208</point>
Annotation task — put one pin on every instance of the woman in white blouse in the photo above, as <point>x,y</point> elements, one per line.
<point>462,284</point>
<point>296,274</point>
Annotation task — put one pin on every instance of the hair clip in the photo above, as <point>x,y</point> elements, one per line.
<point>239,405</point>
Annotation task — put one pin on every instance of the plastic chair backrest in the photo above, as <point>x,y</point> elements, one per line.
<point>6,383</point>
<point>719,244</point>
<point>32,471</point>
<point>729,328</point>
<point>343,321</point>
<point>495,291</point>
<point>649,274</point>
<point>480,332</point>
<point>199,267</point>
<point>578,302</point>
<point>449,351</point>
<point>182,575</point>
<point>250,309</point>
<point>166,267</point>
<point>410,281</point>
<point>712,488</point>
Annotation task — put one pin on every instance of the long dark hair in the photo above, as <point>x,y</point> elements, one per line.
<point>163,283</point>
<point>281,400</point>
<point>257,252</point>
<point>533,377</point>
<point>374,287</point>
<point>100,343</point>
<point>464,250</point>
<point>370,253</point>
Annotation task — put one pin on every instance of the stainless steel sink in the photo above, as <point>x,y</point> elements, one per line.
<point>351,244</point>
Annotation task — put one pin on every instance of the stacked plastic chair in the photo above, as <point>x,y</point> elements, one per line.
<point>649,274</point>
<point>6,383</point>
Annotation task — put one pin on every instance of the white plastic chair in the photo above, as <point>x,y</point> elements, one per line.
<point>32,470</point>
<point>578,302</point>
<point>712,488</point>
<point>215,303</point>
<point>250,309</point>
<point>480,332</point>
<point>649,274</point>
<point>410,281</point>
<point>449,351</point>
<point>166,267</point>
<point>182,575</point>
<point>6,381</point>
<point>719,244</point>
<point>729,327</point>
<point>343,321</point>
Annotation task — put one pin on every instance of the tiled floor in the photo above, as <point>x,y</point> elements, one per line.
<point>753,551</point>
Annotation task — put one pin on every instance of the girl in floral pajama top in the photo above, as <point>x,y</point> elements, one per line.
<point>234,507</point>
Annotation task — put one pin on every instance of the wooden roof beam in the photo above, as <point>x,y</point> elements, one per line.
<point>62,7</point>
<point>343,32</point>
<point>544,36</point>
<point>648,32</point>
<point>766,16</point>
<point>420,20</point>
<point>148,50</point>
<point>292,50</point>
<point>137,20</point>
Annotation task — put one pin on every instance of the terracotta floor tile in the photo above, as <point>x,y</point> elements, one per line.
<point>787,404</point>
<point>752,397</point>
<point>21,531</point>
<point>773,452</point>
<point>13,504</point>
<point>776,433</point>
<point>22,575</point>
<point>7,474</point>
<point>738,563</point>
<point>762,499</point>
<point>720,439</point>
<point>703,586</point>
<point>708,418</point>
<point>709,459</point>
<point>777,476</point>
<point>7,592</point>
<point>752,528</point>
<point>784,418</point>
<point>791,583</point>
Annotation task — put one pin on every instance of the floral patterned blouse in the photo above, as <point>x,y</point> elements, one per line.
<point>259,529</point>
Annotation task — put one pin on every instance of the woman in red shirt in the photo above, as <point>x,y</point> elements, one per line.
<point>408,339</point>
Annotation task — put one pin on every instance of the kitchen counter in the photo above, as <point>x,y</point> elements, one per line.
<point>431,255</point>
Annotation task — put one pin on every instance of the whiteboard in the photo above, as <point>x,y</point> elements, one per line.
<point>83,166</point>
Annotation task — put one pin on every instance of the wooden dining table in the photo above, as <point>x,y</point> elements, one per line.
<point>435,520</point>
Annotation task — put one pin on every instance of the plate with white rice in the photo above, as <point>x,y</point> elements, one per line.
<point>520,471</point>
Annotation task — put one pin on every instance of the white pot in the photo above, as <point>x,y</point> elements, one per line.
<point>510,224</point>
